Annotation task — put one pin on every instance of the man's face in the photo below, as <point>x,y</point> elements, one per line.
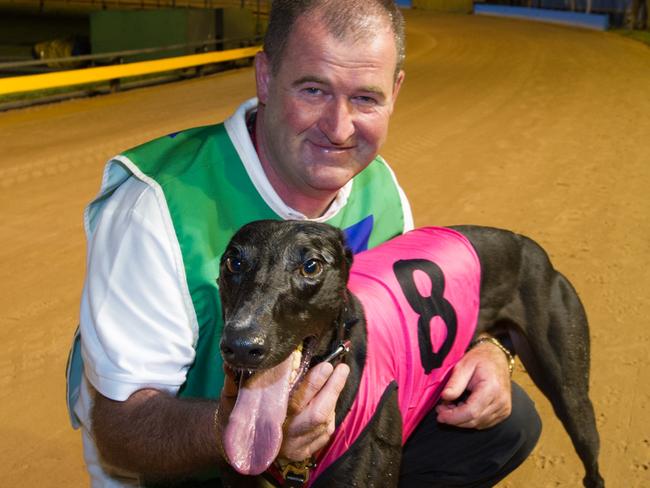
<point>326,111</point>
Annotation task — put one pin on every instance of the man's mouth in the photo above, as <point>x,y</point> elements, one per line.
<point>328,147</point>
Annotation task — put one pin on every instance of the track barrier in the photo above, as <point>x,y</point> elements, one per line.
<point>44,81</point>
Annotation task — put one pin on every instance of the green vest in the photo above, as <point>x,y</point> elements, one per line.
<point>209,196</point>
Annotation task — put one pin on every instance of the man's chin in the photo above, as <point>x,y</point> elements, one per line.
<point>331,182</point>
<point>332,174</point>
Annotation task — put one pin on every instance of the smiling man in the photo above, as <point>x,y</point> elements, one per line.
<point>147,393</point>
<point>330,109</point>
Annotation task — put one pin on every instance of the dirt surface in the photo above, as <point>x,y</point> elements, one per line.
<point>537,128</point>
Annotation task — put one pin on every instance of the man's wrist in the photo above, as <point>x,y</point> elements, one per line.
<point>494,341</point>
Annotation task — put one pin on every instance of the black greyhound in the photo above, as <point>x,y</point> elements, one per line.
<point>283,288</point>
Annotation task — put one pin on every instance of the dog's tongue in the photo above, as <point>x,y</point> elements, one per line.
<point>253,435</point>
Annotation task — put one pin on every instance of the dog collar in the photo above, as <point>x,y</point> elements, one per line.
<point>296,474</point>
<point>338,352</point>
<point>289,475</point>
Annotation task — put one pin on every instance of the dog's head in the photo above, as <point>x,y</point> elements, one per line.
<point>283,289</point>
<point>282,285</point>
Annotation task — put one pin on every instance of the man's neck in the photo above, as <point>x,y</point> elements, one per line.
<point>312,206</point>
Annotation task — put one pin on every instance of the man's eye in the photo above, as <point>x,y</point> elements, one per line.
<point>311,268</point>
<point>312,90</point>
<point>366,100</point>
<point>234,265</point>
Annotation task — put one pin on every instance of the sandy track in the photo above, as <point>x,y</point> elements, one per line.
<point>538,128</point>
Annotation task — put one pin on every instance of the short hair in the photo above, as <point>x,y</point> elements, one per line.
<point>343,18</point>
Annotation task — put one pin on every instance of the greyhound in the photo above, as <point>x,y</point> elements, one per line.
<point>290,295</point>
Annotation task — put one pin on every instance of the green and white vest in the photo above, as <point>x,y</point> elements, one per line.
<point>209,195</point>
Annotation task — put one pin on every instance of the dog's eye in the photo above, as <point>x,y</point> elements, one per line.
<point>234,265</point>
<point>311,268</point>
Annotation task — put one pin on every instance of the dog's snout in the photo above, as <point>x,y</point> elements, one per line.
<point>244,352</point>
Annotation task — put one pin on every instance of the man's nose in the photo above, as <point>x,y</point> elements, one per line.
<point>337,121</point>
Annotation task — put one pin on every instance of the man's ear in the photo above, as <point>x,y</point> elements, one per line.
<point>396,87</point>
<point>262,76</point>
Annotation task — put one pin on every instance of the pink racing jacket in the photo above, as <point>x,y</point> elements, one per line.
<point>420,294</point>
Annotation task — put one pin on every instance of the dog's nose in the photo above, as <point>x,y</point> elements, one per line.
<point>244,352</point>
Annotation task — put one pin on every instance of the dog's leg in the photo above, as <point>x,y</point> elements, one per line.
<point>373,461</point>
<point>523,294</point>
<point>557,359</point>
<point>552,340</point>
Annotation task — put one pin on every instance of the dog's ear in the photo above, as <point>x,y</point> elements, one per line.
<point>348,256</point>
<point>347,252</point>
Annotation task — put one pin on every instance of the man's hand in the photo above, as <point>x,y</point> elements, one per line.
<point>310,418</point>
<point>310,415</point>
<point>483,371</point>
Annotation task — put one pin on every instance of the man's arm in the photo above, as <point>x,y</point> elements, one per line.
<point>483,371</point>
<point>156,434</point>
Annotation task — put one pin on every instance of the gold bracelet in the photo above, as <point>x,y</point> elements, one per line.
<point>495,341</point>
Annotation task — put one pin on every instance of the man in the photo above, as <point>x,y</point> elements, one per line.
<point>327,82</point>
